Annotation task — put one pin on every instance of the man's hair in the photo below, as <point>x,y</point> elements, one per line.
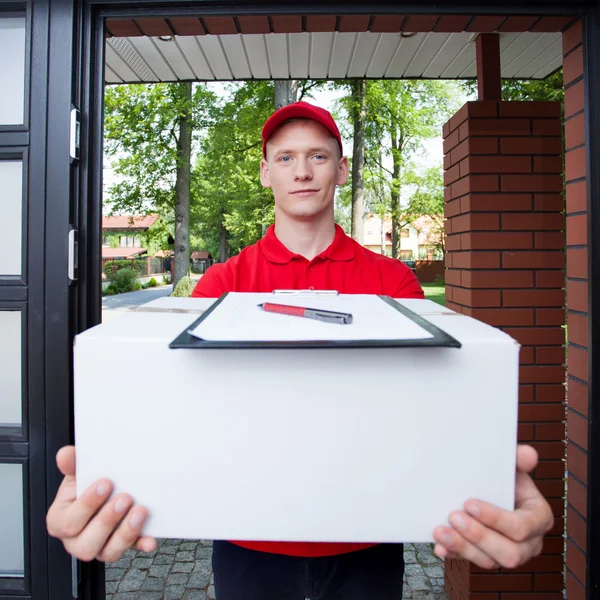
<point>304,119</point>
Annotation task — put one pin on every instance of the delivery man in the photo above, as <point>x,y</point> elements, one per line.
<point>303,163</point>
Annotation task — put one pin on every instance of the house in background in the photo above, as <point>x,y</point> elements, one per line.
<point>124,231</point>
<point>201,261</point>
<point>418,240</point>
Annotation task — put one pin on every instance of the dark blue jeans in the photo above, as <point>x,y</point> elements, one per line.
<point>372,574</point>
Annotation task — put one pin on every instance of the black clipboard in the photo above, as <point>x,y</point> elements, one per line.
<point>440,339</point>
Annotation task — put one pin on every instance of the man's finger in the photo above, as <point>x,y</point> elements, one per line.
<point>72,516</point>
<point>532,519</point>
<point>499,548</point>
<point>89,543</point>
<point>125,536</point>
<point>527,458</point>
<point>454,543</point>
<point>146,544</point>
<point>65,460</point>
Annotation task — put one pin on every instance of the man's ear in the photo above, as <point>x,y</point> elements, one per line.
<point>342,178</point>
<point>264,174</point>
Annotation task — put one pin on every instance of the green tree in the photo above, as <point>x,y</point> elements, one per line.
<point>400,116</point>
<point>149,132</point>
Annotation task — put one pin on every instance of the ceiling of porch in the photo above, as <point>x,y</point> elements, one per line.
<point>325,47</point>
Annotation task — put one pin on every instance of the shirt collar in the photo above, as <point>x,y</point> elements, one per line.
<point>341,249</point>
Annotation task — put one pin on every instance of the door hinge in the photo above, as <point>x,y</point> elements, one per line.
<point>73,267</point>
<point>75,135</point>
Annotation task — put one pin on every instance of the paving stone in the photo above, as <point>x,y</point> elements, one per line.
<point>182,567</point>
<point>159,570</point>
<point>109,597</point>
<point>199,580</point>
<point>113,574</point>
<point>417,583</point>
<point>111,586</point>
<point>427,558</point>
<point>211,593</point>
<point>436,571</point>
<point>177,579</point>
<point>153,584</point>
<point>410,557</point>
<point>122,563</point>
<point>163,559</point>
<point>206,542</point>
<point>188,546</point>
<point>415,569</point>
<point>174,592</point>
<point>125,596</point>
<point>204,552</point>
<point>142,563</point>
<point>169,549</point>
<point>195,595</point>
<point>132,582</point>
<point>184,556</point>
<point>171,542</point>
<point>150,596</point>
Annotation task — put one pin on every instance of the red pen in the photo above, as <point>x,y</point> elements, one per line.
<point>327,316</point>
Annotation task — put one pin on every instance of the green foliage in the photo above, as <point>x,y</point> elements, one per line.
<point>152,282</point>
<point>124,281</point>
<point>138,266</point>
<point>550,88</point>
<point>225,183</point>
<point>137,286</point>
<point>109,291</point>
<point>184,288</point>
<point>140,132</point>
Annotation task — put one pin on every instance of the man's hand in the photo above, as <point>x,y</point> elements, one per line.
<point>491,537</point>
<point>90,527</point>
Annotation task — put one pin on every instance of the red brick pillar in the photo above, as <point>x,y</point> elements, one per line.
<point>506,266</point>
<point>578,315</point>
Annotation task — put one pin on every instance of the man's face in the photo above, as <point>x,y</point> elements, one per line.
<point>303,166</point>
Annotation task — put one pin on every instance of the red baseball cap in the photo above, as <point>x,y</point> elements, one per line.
<point>300,110</point>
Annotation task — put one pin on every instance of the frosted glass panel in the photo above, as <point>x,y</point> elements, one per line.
<point>11,209</point>
<point>12,555</point>
<point>12,70</point>
<point>10,372</point>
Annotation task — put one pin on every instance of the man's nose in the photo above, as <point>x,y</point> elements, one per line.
<point>303,171</point>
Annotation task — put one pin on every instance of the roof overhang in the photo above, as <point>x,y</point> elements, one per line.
<point>326,47</point>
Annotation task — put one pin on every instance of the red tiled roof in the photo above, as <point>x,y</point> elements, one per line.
<point>122,252</point>
<point>129,221</point>
<point>200,255</point>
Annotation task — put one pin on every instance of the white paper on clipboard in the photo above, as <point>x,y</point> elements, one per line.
<point>239,318</point>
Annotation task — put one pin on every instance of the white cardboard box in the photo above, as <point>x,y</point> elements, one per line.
<point>352,445</point>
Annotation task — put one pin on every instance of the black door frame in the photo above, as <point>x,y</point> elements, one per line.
<point>88,57</point>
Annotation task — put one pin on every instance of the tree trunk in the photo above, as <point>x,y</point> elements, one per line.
<point>359,90</point>
<point>286,92</point>
<point>395,193</point>
<point>223,246</point>
<point>182,186</point>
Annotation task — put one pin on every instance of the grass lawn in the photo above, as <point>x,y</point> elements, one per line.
<point>435,292</point>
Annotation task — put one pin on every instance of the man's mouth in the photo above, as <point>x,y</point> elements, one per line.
<point>306,192</point>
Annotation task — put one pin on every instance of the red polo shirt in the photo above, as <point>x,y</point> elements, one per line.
<point>344,266</point>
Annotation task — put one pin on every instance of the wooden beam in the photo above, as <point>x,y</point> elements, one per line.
<point>489,82</point>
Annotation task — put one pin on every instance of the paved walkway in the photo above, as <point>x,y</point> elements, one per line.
<point>131,300</point>
<point>181,570</point>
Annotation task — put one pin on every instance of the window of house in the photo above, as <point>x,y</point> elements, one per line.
<point>404,233</point>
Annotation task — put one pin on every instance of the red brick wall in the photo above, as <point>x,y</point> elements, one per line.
<point>577,409</point>
<point>506,266</point>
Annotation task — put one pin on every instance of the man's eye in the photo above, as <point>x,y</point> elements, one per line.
<point>285,158</point>
<point>320,156</point>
